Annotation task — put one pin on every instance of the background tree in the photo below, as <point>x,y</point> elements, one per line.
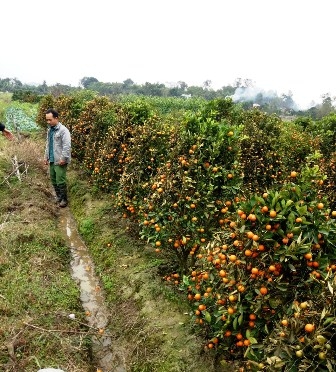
<point>87,81</point>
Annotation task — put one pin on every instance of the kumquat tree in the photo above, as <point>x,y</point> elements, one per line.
<point>240,204</point>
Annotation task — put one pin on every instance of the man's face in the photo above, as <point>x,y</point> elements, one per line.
<point>51,120</point>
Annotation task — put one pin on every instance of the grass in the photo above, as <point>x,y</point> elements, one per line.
<point>36,288</point>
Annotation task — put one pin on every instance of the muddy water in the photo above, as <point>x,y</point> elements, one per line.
<point>91,296</point>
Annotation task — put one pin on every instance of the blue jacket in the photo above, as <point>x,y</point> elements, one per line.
<point>61,144</point>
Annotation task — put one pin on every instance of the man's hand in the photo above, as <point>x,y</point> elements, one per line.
<point>62,162</point>
<point>9,135</point>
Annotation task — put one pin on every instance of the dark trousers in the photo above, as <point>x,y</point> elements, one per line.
<point>58,174</point>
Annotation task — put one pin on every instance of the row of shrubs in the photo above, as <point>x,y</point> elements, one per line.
<point>241,204</point>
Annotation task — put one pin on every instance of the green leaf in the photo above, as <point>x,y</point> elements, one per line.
<point>276,301</point>
<point>328,321</point>
<point>253,340</point>
<point>292,267</point>
<point>302,210</point>
<point>185,280</point>
<point>291,217</point>
<point>289,202</point>
<point>207,316</point>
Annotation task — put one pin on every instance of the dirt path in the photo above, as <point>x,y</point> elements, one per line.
<point>91,294</point>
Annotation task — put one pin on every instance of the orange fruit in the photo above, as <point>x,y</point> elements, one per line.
<point>293,174</point>
<point>284,322</point>
<point>197,296</point>
<point>273,213</point>
<point>255,237</point>
<point>309,328</point>
<point>249,234</point>
<point>247,342</point>
<point>263,291</point>
<point>299,353</point>
<point>222,273</point>
<point>320,206</point>
<point>264,209</point>
<point>303,305</point>
<point>241,288</point>
<point>233,258</point>
<point>231,310</point>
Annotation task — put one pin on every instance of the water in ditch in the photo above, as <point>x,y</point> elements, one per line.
<point>93,301</point>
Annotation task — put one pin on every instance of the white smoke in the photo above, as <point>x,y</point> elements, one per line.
<point>243,94</point>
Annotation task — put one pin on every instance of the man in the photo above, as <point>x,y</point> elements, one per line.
<point>58,155</point>
<point>6,132</point>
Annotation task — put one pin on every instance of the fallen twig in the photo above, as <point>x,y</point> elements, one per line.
<point>3,223</point>
<point>63,331</point>
<point>17,172</point>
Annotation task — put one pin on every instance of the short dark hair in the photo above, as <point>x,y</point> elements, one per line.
<point>53,112</point>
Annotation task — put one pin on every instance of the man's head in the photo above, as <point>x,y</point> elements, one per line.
<point>52,117</point>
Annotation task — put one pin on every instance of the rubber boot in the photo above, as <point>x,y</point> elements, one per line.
<point>58,197</point>
<point>64,197</point>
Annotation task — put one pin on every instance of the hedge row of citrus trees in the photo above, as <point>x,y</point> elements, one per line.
<point>239,202</point>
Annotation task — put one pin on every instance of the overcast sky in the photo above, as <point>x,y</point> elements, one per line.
<point>281,45</point>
